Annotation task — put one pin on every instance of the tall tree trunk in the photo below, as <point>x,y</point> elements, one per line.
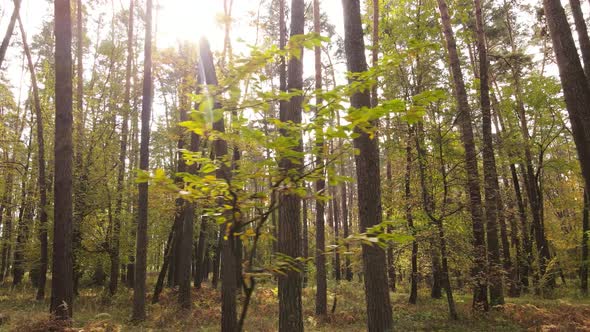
<point>141,245</point>
<point>575,86</point>
<point>42,182</point>
<point>229,250</point>
<point>379,314</point>
<point>9,31</point>
<point>480,301</point>
<point>116,238</point>
<point>491,186</point>
<point>410,219</point>
<point>62,272</point>
<point>321,295</point>
<point>290,307</point>
<point>186,239</point>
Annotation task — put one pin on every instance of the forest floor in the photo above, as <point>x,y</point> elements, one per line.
<point>95,311</point>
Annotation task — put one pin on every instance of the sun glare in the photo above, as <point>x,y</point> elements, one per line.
<point>181,20</point>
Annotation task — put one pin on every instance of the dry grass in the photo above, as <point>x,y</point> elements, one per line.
<point>95,311</point>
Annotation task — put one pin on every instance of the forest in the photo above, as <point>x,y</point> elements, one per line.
<point>273,165</point>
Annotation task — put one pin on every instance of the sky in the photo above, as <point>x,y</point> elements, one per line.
<point>176,21</point>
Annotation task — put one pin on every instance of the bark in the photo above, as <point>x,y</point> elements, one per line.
<point>186,240</point>
<point>116,238</point>
<point>585,230</point>
<point>480,301</point>
<point>167,255</point>
<point>7,225</point>
<point>379,313</point>
<point>305,241</point>
<point>345,224</point>
<point>583,38</point>
<point>22,228</point>
<point>229,246</point>
<point>375,49</point>
<point>336,218</point>
<point>184,266</point>
<point>200,255</point>
<point>290,307</point>
<point>410,219</point>
<point>9,31</point>
<point>139,288</point>
<point>491,186</point>
<point>62,271</point>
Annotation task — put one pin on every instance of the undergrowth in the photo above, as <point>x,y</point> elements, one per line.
<point>94,310</point>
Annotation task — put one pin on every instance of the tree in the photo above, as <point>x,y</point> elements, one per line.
<point>9,30</point>
<point>18,262</point>
<point>142,206</point>
<point>379,315</point>
<point>115,253</point>
<point>491,186</point>
<point>61,272</point>
<point>290,307</point>
<point>480,301</point>
<point>321,297</point>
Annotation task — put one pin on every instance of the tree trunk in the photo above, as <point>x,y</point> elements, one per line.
<point>167,256</point>
<point>585,230</point>
<point>336,218</point>
<point>575,84</point>
<point>229,246</point>
<point>480,301</point>
<point>410,220</point>
<point>115,245</point>
<point>345,224</point>
<point>290,307</point>
<point>186,240</point>
<point>42,183</point>
<point>321,295</point>
<point>62,272</point>
<point>22,228</point>
<point>305,241</point>
<point>379,314</point>
<point>491,186</point>
<point>139,288</point>
<point>9,30</point>
<point>200,254</point>
<point>583,38</point>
